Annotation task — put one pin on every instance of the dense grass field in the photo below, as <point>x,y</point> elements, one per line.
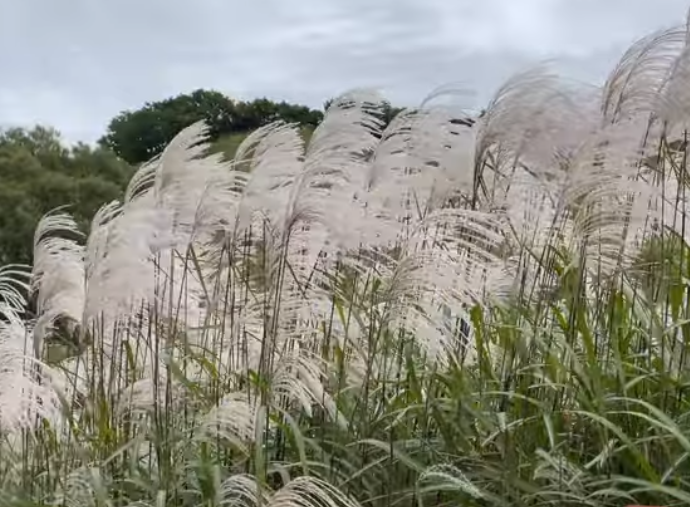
<point>443,312</point>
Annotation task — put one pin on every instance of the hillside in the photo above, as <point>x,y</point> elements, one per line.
<point>228,143</point>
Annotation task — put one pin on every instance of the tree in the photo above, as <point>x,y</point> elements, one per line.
<point>136,136</point>
<point>40,174</point>
<point>259,112</point>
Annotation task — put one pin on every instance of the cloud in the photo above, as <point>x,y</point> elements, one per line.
<point>74,65</point>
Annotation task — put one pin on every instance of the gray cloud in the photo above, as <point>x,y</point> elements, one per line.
<point>76,64</point>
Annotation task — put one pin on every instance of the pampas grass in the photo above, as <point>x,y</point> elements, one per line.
<point>449,310</point>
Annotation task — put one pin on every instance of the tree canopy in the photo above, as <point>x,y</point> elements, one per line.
<point>136,136</point>
<point>39,173</point>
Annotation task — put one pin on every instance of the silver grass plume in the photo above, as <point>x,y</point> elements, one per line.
<point>27,395</point>
<point>58,275</point>
<point>643,72</point>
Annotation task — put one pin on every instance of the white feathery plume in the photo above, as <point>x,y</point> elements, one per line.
<point>232,419</point>
<point>58,276</point>
<point>607,196</point>
<point>450,478</point>
<point>273,157</point>
<point>532,169</point>
<point>170,201</point>
<point>26,393</point>
<point>300,229</point>
<point>308,491</point>
<point>536,219</point>
<point>143,180</point>
<point>512,105</point>
<point>673,102</point>
<point>327,197</point>
<point>97,240</point>
<point>14,283</point>
<point>274,154</point>
<point>362,364</point>
<point>669,206</point>
<point>298,377</point>
<point>129,260</point>
<point>442,269</point>
<point>535,121</point>
<point>243,491</point>
<point>295,378</point>
<point>425,157</point>
<point>197,188</point>
<point>505,282</point>
<point>531,207</point>
<point>149,392</point>
<point>226,196</point>
<point>633,88</point>
<point>613,227</point>
<point>85,486</point>
<point>179,180</point>
<point>121,254</point>
<point>321,207</point>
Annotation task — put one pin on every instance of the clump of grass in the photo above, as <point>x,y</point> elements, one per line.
<point>475,311</point>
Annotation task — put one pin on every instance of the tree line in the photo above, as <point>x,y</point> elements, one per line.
<point>136,136</point>
<point>38,173</point>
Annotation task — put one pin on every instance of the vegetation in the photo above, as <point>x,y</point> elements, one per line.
<point>39,174</point>
<point>439,311</point>
<point>228,144</point>
<point>137,136</point>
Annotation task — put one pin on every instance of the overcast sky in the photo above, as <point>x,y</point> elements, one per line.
<point>75,64</point>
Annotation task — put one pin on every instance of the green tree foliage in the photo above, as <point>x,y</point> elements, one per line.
<point>136,136</point>
<point>258,112</point>
<point>38,173</point>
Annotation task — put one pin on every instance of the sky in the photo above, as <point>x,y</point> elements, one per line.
<point>75,64</point>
